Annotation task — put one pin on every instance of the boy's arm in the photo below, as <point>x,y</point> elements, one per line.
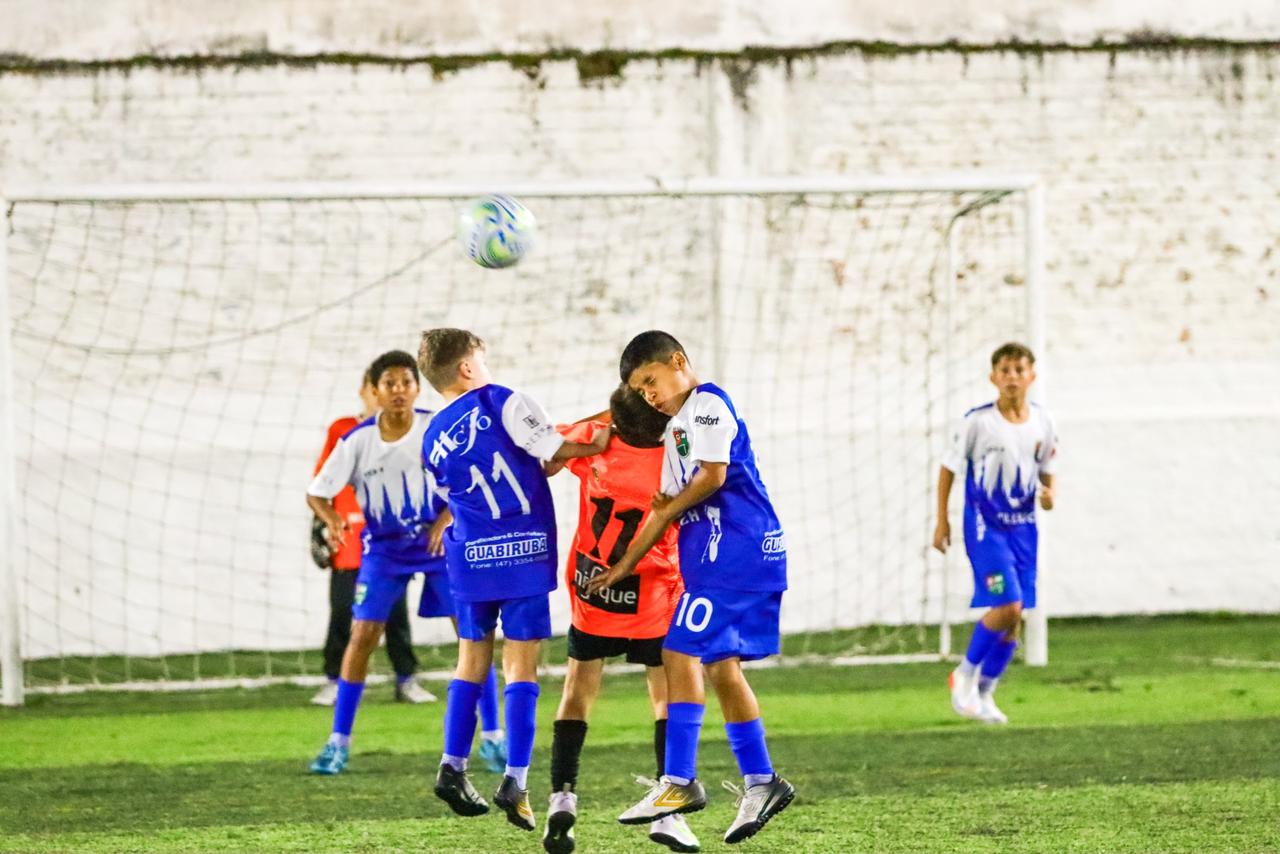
<point>666,509</point>
<point>575,450</point>
<point>1047,481</point>
<point>942,531</point>
<point>333,521</point>
<point>334,476</point>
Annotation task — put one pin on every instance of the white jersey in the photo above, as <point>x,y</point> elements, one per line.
<point>1002,462</point>
<point>395,492</point>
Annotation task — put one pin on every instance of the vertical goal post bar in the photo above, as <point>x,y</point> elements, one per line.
<point>11,663</point>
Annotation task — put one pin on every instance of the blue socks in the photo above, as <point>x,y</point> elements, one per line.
<point>489,703</point>
<point>684,725</point>
<point>460,718</point>
<point>994,664</point>
<point>980,644</point>
<point>522,709</point>
<point>746,739</point>
<point>344,710</point>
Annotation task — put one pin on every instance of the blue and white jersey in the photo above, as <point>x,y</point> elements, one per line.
<point>733,540</point>
<point>397,496</point>
<point>1003,462</point>
<point>485,450</point>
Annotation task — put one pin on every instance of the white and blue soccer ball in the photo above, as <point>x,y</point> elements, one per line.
<point>496,231</point>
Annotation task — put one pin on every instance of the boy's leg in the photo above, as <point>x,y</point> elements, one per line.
<point>355,667</point>
<point>525,623</point>
<point>400,652</point>
<point>493,739</point>
<point>672,830</point>
<point>581,686</point>
<point>1006,620</point>
<point>475,623</point>
<point>342,589</point>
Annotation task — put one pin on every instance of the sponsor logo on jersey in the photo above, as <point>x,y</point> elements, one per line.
<point>532,422</point>
<point>506,550</point>
<point>995,583</point>
<point>1028,518</point>
<point>773,544</point>
<point>459,436</point>
<point>682,441</point>
<point>621,598</point>
<point>706,420</point>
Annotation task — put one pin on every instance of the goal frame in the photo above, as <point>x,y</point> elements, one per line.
<point>12,687</point>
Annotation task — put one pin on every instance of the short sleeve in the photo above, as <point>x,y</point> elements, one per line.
<point>1048,453</point>
<point>712,429</point>
<point>953,459</point>
<point>335,474</point>
<point>529,427</point>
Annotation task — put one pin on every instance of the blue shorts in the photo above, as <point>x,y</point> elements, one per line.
<point>714,624</point>
<point>379,586</point>
<point>522,619</point>
<point>1003,561</point>
<point>437,596</point>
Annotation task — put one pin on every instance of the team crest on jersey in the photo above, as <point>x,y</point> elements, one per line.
<point>682,441</point>
<point>995,583</point>
<point>361,591</point>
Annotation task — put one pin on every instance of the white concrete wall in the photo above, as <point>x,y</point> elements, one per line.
<point>106,29</point>
<point>1164,215</point>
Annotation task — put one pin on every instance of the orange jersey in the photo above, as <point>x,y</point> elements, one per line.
<point>348,555</point>
<point>613,504</point>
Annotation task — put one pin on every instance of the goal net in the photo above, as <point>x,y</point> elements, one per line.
<point>178,354</point>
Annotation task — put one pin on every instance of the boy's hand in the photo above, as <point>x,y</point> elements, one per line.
<point>600,440</point>
<point>609,577</point>
<point>336,528</point>
<point>659,503</point>
<point>552,467</point>
<point>942,535</point>
<point>435,534</point>
<point>1046,497</point>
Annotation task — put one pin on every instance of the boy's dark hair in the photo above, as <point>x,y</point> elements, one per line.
<point>1012,350</point>
<point>442,350</point>
<point>652,346</point>
<point>638,423</point>
<point>388,360</point>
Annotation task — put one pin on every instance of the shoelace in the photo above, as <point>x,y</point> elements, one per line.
<point>745,797</point>
<point>647,782</point>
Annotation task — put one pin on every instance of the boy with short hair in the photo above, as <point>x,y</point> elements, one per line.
<point>380,458</point>
<point>733,561</point>
<point>486,449</point>
<point>630,619</point>
<point>1007,450</point>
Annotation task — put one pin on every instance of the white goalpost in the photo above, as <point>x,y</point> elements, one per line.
<point>171,354</point>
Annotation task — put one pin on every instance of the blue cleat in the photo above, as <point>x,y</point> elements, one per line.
<point>494,754</point>
<point>331,760</point>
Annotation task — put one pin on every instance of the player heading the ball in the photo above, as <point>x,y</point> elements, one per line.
<point>486,449</point>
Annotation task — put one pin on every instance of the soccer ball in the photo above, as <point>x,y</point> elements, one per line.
<point>496,231</point>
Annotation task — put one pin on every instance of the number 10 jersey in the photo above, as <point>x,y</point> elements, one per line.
<point>485,450</point>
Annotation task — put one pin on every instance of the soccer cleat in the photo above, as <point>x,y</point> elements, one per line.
<point>665,798</point>
<point>989,712</point>
<point>455,789</point>
<point>494,754</point>
<point>756,806</point>
<point>332,759</point>
<point>674,832</point>
<point>964,694</point>
<point>326,696</point>
<point>410,691</point>
<point>562,813</point>
<point>514,801</point>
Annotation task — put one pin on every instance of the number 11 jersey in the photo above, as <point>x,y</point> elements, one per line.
<point>485,450</point>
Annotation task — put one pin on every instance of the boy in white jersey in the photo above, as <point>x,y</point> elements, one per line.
<point>381,459</point>
<point>1007,450</point>
<point>734,564</point>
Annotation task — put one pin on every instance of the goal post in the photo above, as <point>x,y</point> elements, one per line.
<point>178,349</point>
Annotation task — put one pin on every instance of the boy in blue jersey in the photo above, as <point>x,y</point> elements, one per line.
<point>733,560</point>
<point>381,459</point>
<point>486,450</point>
<point>1006,449</point>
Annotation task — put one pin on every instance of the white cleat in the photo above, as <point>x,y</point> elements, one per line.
<point>665,798</point>
<point>756,806</point>
<point>989,712</point>
<point>964,694</point>
<point>562,814</point>
<point>411,692</point>
<point>327,695</point>
<point>674,832</point>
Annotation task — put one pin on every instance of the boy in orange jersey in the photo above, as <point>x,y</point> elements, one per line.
<point>630,618</point>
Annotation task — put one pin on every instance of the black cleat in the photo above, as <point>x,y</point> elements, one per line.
<point>514,801</point>
<point>455,789</point>
<point>756,806</point>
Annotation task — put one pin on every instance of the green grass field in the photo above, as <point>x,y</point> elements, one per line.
<point>1143,735</point>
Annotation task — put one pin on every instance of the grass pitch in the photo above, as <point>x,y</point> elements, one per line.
<point>1143,735</point>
